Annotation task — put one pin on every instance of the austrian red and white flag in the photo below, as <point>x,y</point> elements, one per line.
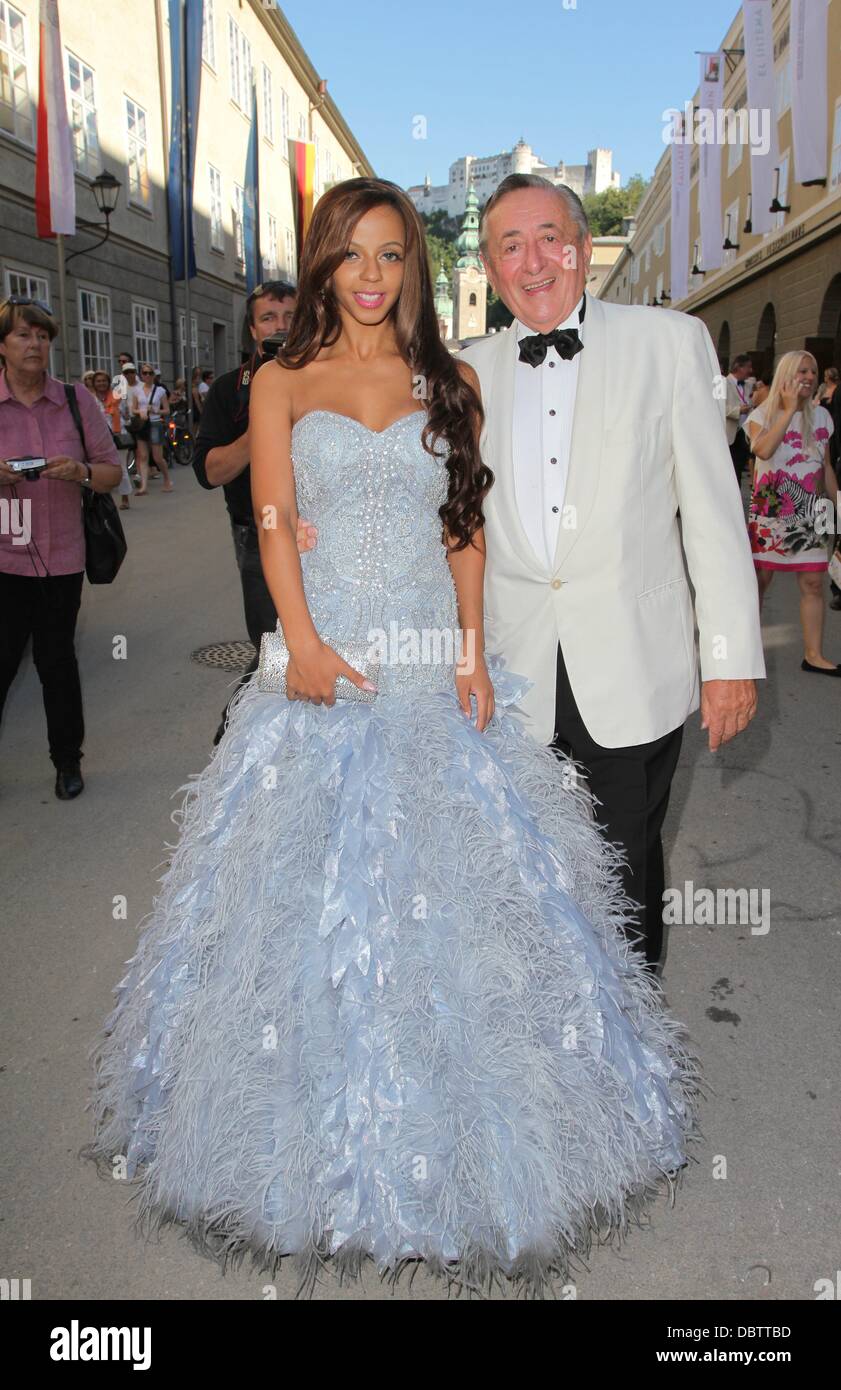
<point>55,184</point>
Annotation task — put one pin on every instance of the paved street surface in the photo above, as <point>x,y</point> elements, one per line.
<point>757,1216</point>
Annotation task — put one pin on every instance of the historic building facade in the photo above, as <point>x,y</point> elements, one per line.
<point>777,291</point>
<point>485,174</point>
<point>117,72</point>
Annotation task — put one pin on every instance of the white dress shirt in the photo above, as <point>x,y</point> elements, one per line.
<point>544,400</point>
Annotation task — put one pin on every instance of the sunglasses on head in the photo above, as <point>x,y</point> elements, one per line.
<point>19,301</point>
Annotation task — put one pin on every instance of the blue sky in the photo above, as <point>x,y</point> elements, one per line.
<point>565,80</point>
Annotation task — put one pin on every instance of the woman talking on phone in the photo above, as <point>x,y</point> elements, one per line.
<point>42,542</point>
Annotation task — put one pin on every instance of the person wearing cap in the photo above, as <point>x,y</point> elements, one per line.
<point>42,551</point>
<point>222,457</point>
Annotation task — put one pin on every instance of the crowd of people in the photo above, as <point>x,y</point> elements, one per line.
<point>783,431</point>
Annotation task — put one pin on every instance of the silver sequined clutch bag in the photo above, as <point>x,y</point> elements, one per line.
<point>274,659</point>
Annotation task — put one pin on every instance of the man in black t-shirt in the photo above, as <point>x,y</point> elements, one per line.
<point>222,458</point>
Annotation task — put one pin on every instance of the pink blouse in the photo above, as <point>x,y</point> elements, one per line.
<point>45,429</point>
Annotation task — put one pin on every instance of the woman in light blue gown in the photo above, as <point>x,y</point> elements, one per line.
<point>383,1005</point>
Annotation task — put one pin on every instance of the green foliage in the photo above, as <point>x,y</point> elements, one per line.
<point>606,210</point>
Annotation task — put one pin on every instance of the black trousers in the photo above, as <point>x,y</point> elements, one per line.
<point>260,613</point>
<point>633,786</point>
<point>45,609</point>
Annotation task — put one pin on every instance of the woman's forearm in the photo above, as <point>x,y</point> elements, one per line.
<point>467,567</point>
<point>282,571</point>
<point>769,439</point>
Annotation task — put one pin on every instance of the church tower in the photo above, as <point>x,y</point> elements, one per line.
<point>470,284</point>
<point>444,304</point>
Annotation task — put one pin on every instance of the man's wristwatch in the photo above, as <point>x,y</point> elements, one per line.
<point>87,481</point>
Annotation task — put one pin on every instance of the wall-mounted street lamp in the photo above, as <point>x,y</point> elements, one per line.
<point>696,269</point>
<point>727,244</point>
<point>776,205</point>
<point>106,191</point>
<point>748,227</point>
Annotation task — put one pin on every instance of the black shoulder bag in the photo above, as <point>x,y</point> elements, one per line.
<point>105,541</point>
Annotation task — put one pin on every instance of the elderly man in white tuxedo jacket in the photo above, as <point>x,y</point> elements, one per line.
<point>598,436</point>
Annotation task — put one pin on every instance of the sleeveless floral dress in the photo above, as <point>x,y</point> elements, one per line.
<point>786,526</point>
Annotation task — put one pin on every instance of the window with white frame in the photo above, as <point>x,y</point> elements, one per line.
<point>268,105</point>
<point>302,126</point>
<point>194,343</point>
<point>731,231</point>
<point>270,258</point>
<point>16,111</point>
<point>734,146</point>
<point>658,289</point>
<point>317,166</point>
<point>648,258</point>
<point>660,239</point>
<point>95,330</point>
<point>208,35</point>
<point>146,340</point>
<point>782,87</point>
<point>835,161</point>
<point>82,104</point>
<point>289,240</point>
<point>239,224</point>
<point>284,121</point>
<point>635,271</point>
<point>782,191</point>
<point>646,299</point>
<point>26,285</point>
<point>239,57</point>
<point>217,231</point>
<point>138,165</point>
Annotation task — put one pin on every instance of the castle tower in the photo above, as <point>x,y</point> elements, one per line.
<point>444,304</point>
<point>470,283</point>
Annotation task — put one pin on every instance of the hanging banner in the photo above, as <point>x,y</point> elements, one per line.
<point>809,57</point>
<point>185,27</point>
<point>681,169</point>
<point>251,202</point>
<point>302,165</point>
<point>55,184</point>
<point>709,160</point>
<point>759,60</point>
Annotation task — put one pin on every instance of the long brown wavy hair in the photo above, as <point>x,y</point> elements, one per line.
<point>454,410</point>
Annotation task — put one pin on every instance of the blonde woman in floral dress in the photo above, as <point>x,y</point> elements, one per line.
<point>788,526</point>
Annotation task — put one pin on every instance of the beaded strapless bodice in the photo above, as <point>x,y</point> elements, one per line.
<point>379,571</point>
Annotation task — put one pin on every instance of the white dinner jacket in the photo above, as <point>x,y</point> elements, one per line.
<point>648,440</point>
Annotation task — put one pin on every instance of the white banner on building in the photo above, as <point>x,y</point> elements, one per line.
<point>809,56</point>
<point>759,60</point>
<point>709,160</point>
<point>681,170</point>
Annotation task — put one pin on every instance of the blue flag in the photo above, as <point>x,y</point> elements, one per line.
<point>251,203</point>
<point>185,27</point>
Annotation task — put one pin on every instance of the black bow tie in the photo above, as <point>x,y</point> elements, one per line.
<point>565,341</point>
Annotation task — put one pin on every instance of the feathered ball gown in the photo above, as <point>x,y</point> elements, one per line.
<point>382,1005</point>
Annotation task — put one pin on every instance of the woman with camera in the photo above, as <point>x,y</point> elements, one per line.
<point>44,464</point>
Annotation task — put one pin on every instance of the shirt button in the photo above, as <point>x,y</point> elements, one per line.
<point>552,412</point>
<point>551,364</point>
<point>556,583</point>
<point>553,460</point>
<point>554,509</point>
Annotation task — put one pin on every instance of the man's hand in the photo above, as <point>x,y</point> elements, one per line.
<point>306,535</point>
<point>7,474</point>
<point>67,470</point>
<point>727,707</point>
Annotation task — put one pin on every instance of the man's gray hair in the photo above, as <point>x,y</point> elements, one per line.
<point>514,182</point>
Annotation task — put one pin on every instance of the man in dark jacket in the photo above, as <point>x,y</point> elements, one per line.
<point>222,455</point>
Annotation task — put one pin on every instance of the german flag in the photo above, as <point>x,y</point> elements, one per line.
<point>302,164</point>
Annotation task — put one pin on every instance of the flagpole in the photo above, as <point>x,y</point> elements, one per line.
<point>185,226</point>
<point>62,302</point>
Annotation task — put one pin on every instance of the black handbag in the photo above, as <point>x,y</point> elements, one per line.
<point>105,541</point>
